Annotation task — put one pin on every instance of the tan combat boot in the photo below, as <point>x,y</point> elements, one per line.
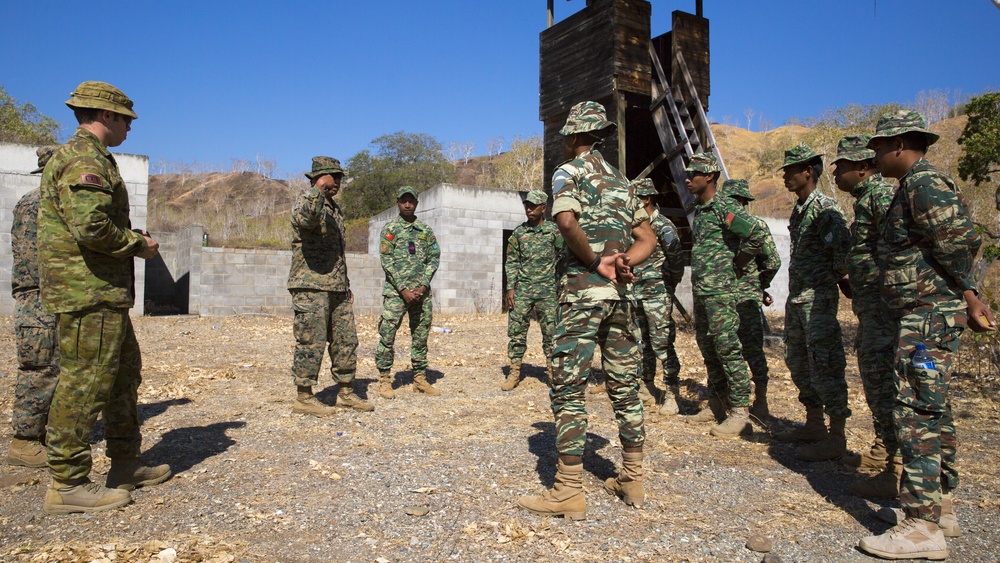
<point>948,521</point>
<point>648,393</point>
<point>714,412</point>
<point>759,410</point>
<point>85,496</point>
<point>513,377</point>
<point>385,385</point>
<point>912,538</point>
<point>875,459</point>
<point>130,473</point>
<point>737,424</point>
<point>26,453</point>
<point>307,403</point>
<point>831,447</point>
<point>670,405</point>
<point>628,484</point>
<point>883,485</point>
<point>813,431</point>
<point>421,385</point>
<point>565,498</point>
<point>348,399</point>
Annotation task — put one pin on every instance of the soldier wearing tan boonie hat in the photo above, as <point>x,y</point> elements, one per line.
<point>101,95</point>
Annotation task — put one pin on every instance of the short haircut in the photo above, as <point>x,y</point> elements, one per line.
<point>86,115</point>
<point>914,140</point>
<point>817,169</point>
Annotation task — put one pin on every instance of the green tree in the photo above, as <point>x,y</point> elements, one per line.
<point>395,160</point>
<point>519,169</point>
<point>981,139</point>
<point>21,123</point>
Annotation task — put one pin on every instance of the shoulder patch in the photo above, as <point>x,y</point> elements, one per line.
<point>389,236</point>
<point>91,180</point>
<point>729,218</point>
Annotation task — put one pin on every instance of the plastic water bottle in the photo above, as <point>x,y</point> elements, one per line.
<point>921,359</point>
<point>442,329</point>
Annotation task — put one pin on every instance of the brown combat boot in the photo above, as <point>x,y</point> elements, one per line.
<point>513,377</point>
<point>84,496</point>
<point>875,459</point>
<point>759,410</point>
<point>130,473</point>
<point>385,385</point>
<point>26,453</point>
<point>737,424</point>
<point>832,447</point>
<point>715,412</point>
<point>912,538</point>
<point>948,521</point>
<point>813,431</point>
<point>348,399</point>
<point>648,393</point>
<point>670,405</point>
<point>307,403</point>
<point>565,498</point>
<point>883,485</point>
<point>628,484</point>
<point>421,385</point>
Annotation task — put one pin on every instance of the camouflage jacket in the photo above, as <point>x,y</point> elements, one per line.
<point>872,198</point>
<point>409,254</point>
<point>722,229</point>
<point>531,259</point>
<point>664,268</point>
<point>24,244</point>
<point>762,269</point>
<point>318,235</point>
<point>820,241</point>
<point>85,242</point>
<point>929,243</point>
<point>607,210</point>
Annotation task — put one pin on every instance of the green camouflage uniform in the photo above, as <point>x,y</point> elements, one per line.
<point>531,272</point>
<point>929,246</point>
<point>321,298</point>
<point>410,256</point>
<point>814,348</point>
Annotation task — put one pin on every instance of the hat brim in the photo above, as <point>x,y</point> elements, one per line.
<point>931,137</point>
<point>606,129</point>
<point>38,170</point>
<point>317,173</point>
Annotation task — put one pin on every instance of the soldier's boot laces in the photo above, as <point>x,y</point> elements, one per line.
<point>948,521</point>
<point>912,538</point>
<point>26,453</point>
<point>307,403</point>
<point>737,424</point>
<point>347,398</point>
<point>565,498</point>
<point>648,393</point>
<point>670,405</point>
<point>628,484</point>
<point>85,496</point>
<point>713,413</point>
<point>814,429</point>
<point>385,385</point>
<point>130,473</point>
<point>513,377</point>
<point>759,410</point>
<point>831,447</point>
<point>883,485</point>
<point>421,385</point>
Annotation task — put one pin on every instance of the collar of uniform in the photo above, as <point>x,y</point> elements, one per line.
<point>809,200</point>
<point>654,214</point>
<point>920,165</point>
<point>867,185</point>
<point>92,138</point>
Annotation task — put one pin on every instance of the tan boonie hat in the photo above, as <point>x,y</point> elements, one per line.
<point>324,165</point>
<point>903,121</point>
<point>536,197</point>
<point>798,154</point>
<point>644,187</point>
<point>101,95</point>
<point>737,188</point>
<point>854,148</point>
<point>406,190</point>
<point>586,117</point>
<point>704,162</point>
<point>44,154</point>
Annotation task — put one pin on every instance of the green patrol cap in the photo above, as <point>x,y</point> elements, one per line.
<point>324,165</point>
<point>406,190</point>
<point>585,117</point>
<point>798,154</point>
<point>44,154</point>
<point>854,148</point>
<point>101,95</point>
<point>644,187</point>
<point>737,188</point>
<point>704,162</point>
<point>902,121</point>
<point>536,197</point>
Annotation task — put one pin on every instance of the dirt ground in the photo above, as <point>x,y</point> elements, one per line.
<point>437,478</point>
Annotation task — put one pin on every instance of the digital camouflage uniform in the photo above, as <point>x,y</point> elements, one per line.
<point>320,288</point>
<point>410,256</point>
<point>531,272</point>
<point>814,348</point>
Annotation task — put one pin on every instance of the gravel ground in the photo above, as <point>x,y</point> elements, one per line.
<point>433,479</point>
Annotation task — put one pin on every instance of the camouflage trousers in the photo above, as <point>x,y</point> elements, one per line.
<point>751,335</point>
<point>875,349</point>
<point>580,328</point>
<point>925,427</point>
<point>814,354</point>
<point>657,331</point>
<point>420,315</point>
<point>99,372</point>
<point>519,319</point>
<point>717,326</point>
<point>37,365</point>
<point>323,320</point>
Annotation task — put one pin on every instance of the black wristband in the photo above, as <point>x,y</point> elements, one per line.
<point>595,264</point>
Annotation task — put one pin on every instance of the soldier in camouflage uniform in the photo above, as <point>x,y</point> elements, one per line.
<point>606,230</point>
<point>814,348</point>
<point>86,248</point>
<point>725,241</point>
<point>855,173</point>
<point>35,332</point>
<point>532,251</point>
<point>321,292</point>
<point>928,247</point>
<point>410,256</point>
<point>652,291</point>
<point>752,293</point>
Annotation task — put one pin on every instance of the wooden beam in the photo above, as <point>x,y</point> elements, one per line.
<point>552,13</point>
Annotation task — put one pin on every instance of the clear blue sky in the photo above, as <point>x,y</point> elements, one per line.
<point>217,80</point>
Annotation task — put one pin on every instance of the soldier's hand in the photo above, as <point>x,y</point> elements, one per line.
<point>152,248</point>
<point>606,268</point>
<point>508,299</point>
<point>350,296</point>
<point>980,315</point>
<point>623,272</point>
<point>408,296</point>
<point>767,300</point>
<point>845,288</point>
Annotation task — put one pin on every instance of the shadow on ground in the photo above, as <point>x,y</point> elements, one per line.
<point>543,445</point>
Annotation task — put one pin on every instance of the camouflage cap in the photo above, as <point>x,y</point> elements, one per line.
<point>644,187</point>
<point>798,154</point>
<point>44,154</point>
<point>704,162</point>
<point>101,95</point>
<point>324,165</point>
<point>737,188</point>
<point>536,197</point>
<point>854,148</point>
<point>902,121</point>
<point>585,117</point>
<point>406,190</point>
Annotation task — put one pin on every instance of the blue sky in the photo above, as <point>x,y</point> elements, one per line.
<point>218,80</point>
